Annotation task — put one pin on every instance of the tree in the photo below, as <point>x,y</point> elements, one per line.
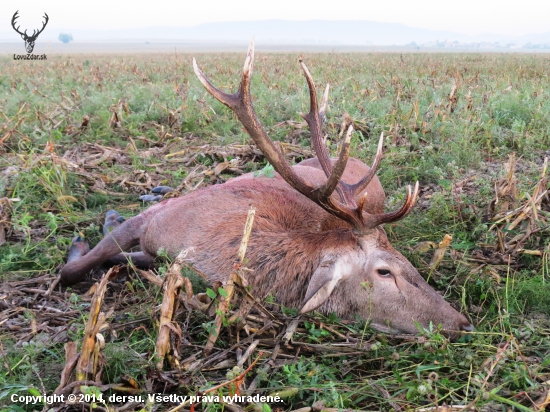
<point>65,38</point>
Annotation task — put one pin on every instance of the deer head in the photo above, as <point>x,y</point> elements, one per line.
<point>29,40</point>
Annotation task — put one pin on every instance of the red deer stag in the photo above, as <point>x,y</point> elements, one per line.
<point>311,248</point>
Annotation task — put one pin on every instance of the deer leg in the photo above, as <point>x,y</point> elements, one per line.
<point>123,237</point>
<point>139,259</point>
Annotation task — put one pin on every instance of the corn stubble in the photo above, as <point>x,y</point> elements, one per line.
<point>79,135</point>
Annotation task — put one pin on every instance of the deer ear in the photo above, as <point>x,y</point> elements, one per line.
<point>323,282</point>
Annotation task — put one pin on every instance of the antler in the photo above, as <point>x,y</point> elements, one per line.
<point>43,25</point>
<point>347,208</point>
<point>13,19</point>
<point>34,32</point>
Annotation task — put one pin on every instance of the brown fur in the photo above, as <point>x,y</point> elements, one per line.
<point>297,250</point>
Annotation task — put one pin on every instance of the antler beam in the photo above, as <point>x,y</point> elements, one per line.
<point>347,208</point>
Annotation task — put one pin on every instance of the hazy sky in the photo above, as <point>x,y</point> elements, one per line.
<point>467,16</point>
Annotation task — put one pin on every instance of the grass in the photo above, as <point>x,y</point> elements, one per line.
<point>66,171</point>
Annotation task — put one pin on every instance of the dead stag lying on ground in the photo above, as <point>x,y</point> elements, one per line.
<point>311,248</point>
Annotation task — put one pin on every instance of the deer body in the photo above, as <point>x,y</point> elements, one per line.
<point>290,245</point>
<point>291,240</point>
<point>316,242</point>
<point>180,221</point>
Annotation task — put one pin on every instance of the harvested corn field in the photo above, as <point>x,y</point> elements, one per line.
<point>83,135</point>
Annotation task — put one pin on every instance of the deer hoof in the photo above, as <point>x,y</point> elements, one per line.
<point>161,190</point>
<point>112,220</point>
<point>150,198</point>
<point>78,249</point>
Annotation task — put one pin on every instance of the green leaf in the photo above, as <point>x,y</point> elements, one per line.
<point>34,392</point>
<point>445,183</point>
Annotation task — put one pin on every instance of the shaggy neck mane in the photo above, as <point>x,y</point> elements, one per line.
<point>283,262</point>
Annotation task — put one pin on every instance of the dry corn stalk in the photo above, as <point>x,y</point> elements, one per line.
<point>172,285</point>
<point>544,400</point>
<point>453,98</point>
<point>533,204</point>
<point>229,287</point>
<point>505,188</point>
<point>71,357</point>
<point>5,218</point>
<point>440,251</point>
<point>93,342</point>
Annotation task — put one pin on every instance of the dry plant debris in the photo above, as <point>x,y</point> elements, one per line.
<point>57,136</point>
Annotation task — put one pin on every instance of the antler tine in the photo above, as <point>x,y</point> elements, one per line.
<point>233,101</point>
<point>410,201</point>
<point>365,180</point>
<point>339,167</point>
<point>313,119</point>
<point>228,99</point>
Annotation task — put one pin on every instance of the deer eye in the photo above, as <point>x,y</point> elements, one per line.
<point>383,272</point>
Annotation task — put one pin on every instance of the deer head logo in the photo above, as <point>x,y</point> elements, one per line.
<point>29,40</point>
